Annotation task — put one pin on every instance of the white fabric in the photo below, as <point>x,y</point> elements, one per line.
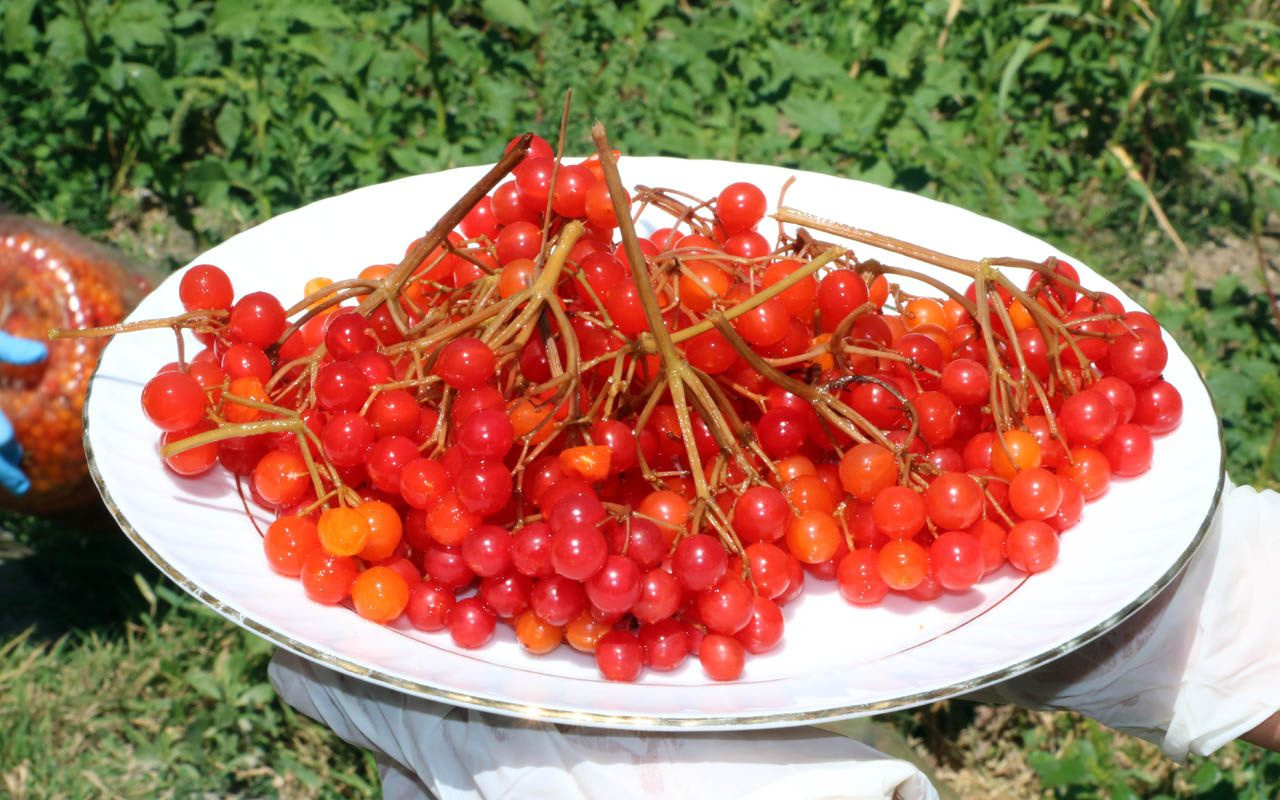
<point>1200,664</point>
<point>458,753</point>
<point>1193,670</point>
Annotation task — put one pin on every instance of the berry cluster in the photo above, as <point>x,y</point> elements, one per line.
<point>642,446</point>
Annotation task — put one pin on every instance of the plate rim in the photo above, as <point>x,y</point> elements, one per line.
<point>656,722</point>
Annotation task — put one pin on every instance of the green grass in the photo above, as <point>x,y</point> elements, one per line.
<point>125,687</point>
<point>164,126</point>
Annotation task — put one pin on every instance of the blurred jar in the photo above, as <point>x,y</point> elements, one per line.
<point>51,277</point>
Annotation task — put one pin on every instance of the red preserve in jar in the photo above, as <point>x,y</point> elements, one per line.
<point>51,277</point>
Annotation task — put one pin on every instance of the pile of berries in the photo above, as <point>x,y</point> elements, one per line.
<point>51,276</point>
<point>521,425</point>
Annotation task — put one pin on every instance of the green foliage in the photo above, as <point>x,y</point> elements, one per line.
<point>251,107</point>
<point>1233,338</point>
<point>1092,762</point>
<point>148,694</point>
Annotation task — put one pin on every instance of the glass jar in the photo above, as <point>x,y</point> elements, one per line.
<point>51,277</point>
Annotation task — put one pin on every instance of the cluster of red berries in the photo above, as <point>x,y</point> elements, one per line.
<point>425,463</point>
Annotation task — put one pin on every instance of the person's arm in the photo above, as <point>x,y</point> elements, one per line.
<point>1267,734</point>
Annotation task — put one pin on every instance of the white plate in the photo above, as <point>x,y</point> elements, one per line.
<point>837,661</point>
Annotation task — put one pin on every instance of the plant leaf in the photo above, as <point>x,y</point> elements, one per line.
<point>1240,83</point>
<point>230,123</point>
<point>18,30</point>
<point>147,82</point>
<point>512,14</point>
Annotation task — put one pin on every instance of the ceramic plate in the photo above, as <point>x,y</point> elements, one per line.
<point>837,661</point>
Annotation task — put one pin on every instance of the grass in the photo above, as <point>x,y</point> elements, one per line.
<point>177,707</point>
<point>1114,130</point>
<point>125,687</point>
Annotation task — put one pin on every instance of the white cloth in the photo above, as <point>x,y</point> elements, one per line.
<point>458,753</point>
<point>1193,670</point>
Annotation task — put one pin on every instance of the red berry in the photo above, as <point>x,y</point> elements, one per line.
<point>173,401</point>
<point>722,657</point>
<point>204,286</point>
<point>466,363</point>
<point>1032,546</point>
<point>619,656</point>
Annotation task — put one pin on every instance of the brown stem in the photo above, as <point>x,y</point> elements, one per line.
<point>995,367</point>
<point>952,263</point>
<point>850,422</point>
<point>673,365</point>
<point>754,301</point>
<point>393,283</point>
<point>665,200</point>
<point>232,431</point>
<point>539,293</point>
<point>190,319</point>
<point>313,311</point>
<point>323,294</point>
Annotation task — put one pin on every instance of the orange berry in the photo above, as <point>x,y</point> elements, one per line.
<point>380,594</point>
<point>923,311</point>
<point>940,337</point>
<point>878,291</point>
<point>385,529</point>
<point>288,542</point>
<point>1020,316</point>
<point>449,522</point>
<point>866,469</point>
<point>897,328</point>
<point>537,636</point>
<point>589,462</point>
<point>669,509</point>
<point>825,361</point>
<point>281,477</point>
<point>955,314</point>
<point>1020,451</point>
<point>1090,470</point>
<point>314,285</point>
<point>813,537</point>
<point>702,283</point>
<point>809,493</point>
<point>249,388</point>
<point>526,415</point>
<point>343,531</point>
<point>584,631</point>
<point>793,467</point>
<point>802,297</point>
<point>515,276</point>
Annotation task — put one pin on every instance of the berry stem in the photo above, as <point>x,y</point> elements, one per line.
<point>200,319</point>
<point>830,408</point>
<point>754,301</point>
<point>538,294</point>
<point>326,294</point>
<point>999,411</point>
<point>229,430</point>
<point>961,265</point>
<point>393,284</point>
<point>678,373</point>
<point>665,199</point>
